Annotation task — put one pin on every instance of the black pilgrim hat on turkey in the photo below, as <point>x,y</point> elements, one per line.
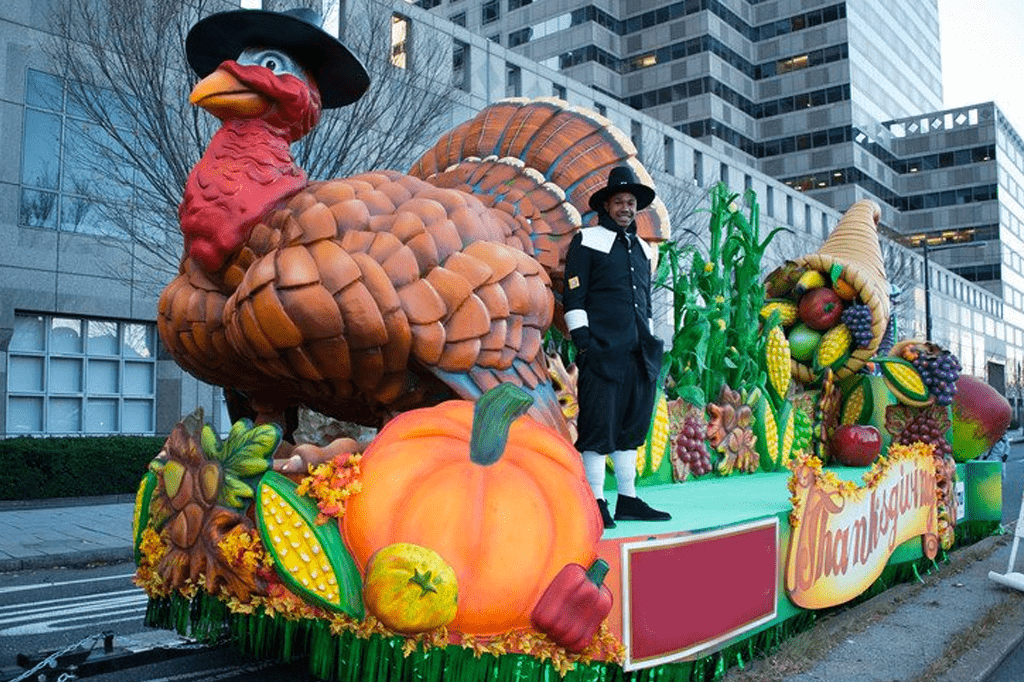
<point>339,74</point>
<point>622,179</point>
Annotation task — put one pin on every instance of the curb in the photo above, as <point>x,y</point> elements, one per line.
<point>113,555</point>
<point>55,502</point>
<point>979,663</point>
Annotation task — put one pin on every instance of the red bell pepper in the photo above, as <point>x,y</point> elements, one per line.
<point>573,606</point>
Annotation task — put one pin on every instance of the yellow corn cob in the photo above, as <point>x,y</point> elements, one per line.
<point>853,407</point>
<point>766,432</point>
<point>907,377</point>
<point>788,437</point>
<point>787,311</point>
<point>905,382</point>
<point>776,360</point>
<point>834,346</point>
<point>659,438</point>
<point>296,547</point>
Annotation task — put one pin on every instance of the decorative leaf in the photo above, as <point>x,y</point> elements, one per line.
<point>237,430</point>
<point>210,442</point>
<point>693,395</point>
<point>255,442</point>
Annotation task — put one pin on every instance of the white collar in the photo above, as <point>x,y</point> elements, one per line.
<point>600,238</point>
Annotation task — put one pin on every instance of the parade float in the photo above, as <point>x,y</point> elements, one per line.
<point>806,459</point>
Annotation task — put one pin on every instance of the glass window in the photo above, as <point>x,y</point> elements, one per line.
<point>490,12</point>
<point>44,91</point>
<point>460,65</point>
<point>64,415</point>
<point>103,376</point>
<point>60,382</point>
<point>65,375</point>
<point>519,37</point>
<point>27,372</point>
<point>137,416</point>
<point>459,19</point>
<point>138,378</point>
<point>63,173</point>
<point>41,160</point>
<point>101,416</point>
<point>138,340</point>
<point>24,415</point>
<point>65,335</point>
<point>102,338</point>
<point>29,333</point>
<point>513,81</point>
<point>399,41</point>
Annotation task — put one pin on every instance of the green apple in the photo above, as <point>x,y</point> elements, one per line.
<point>802,342</point>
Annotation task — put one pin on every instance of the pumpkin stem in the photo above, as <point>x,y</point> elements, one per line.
<point>493,415</point>
<point>597,571</point>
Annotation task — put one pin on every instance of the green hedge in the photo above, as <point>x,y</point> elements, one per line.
<point>35,468</point>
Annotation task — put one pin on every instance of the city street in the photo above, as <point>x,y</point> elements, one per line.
<point>46,610</point>
<point>1012,667</point>
<point>1013,482</point>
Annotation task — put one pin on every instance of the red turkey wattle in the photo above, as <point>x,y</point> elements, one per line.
<point>248,165</point>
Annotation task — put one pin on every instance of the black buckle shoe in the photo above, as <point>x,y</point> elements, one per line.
<point>635,509</point>
<point>605,514</point>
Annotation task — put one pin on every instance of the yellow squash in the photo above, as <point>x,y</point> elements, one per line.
<point>410,588</point>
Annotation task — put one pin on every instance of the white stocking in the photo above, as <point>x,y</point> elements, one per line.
<point>625,471</point>
<point>593,465</point>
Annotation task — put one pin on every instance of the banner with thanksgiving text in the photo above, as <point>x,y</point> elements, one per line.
<point>843,534</point>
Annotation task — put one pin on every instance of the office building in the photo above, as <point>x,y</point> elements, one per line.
<point>79,351</point>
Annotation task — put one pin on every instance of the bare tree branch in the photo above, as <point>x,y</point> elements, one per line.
<point>128,80</point>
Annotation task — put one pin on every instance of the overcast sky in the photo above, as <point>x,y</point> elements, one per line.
<point>983,54</point>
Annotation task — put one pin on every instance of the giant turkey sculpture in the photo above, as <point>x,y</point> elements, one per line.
<point>365,296</point>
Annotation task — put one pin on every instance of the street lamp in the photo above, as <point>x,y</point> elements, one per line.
<point>928,279</point>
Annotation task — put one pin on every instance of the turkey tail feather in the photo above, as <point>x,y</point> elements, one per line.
<point>539,158</point>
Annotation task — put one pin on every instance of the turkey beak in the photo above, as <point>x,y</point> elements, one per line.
<point>225,96</point>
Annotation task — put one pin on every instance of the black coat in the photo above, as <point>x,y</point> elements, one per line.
<point>607,299</point>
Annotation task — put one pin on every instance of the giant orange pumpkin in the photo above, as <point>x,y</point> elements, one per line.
<point>500,497</point>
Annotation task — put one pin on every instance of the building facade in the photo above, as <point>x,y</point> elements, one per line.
<point>79,351</point>
<point>839,100</point>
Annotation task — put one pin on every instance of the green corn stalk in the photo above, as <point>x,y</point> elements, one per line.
<point>716,302</point>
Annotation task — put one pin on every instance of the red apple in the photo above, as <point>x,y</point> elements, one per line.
<point>820,308</point>
<point>856,445</point>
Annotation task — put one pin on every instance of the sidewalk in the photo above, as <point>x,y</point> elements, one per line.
<point>956,625</point>
<point>76,534</point>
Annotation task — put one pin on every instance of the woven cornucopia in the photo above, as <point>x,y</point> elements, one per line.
<point>853,245</point>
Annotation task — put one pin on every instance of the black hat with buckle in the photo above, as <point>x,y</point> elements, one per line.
<point>339,74</point>
<point>622,179</point>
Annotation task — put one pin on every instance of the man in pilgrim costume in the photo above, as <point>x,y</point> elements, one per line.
<point>607,300</point>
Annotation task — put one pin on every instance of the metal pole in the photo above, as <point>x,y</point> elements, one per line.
<point>927,295</point>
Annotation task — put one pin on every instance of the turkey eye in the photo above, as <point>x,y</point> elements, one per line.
<point>273,60</point>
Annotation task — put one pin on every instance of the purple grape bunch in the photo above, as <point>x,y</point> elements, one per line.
<point>857,318</point>
<point>924,429</point>
<point>690,448</point>
<point>939,370</point>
